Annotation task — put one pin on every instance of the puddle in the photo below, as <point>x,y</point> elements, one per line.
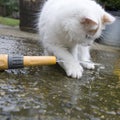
<point>45,93</point>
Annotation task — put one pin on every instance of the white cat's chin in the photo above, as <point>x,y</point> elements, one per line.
<point>87,43</point>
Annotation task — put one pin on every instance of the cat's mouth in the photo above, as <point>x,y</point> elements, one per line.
<point>88,43</point>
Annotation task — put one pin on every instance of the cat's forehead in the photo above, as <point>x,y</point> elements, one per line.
<point>94,12</point>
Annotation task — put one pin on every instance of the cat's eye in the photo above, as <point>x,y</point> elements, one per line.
<point>92,32</point>
<point>88,37</point>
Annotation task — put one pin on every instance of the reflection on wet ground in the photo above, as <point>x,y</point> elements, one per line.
<point>45,93</point>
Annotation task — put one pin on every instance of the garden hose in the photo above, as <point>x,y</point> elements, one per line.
<point>18,61</point>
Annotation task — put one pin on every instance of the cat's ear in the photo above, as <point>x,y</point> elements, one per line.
<point>88,21</point>
<point>90,25</point>
<point>107,18</point>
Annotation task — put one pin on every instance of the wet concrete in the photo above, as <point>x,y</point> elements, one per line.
<point>46,93</point>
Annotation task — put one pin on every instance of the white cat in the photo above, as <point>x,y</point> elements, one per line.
<point>67,29</point>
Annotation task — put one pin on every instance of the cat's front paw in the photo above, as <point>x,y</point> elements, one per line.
<point>88,65</point>
<point>74,71</point>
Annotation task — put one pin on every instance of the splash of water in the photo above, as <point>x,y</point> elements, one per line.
<point>80,62</point>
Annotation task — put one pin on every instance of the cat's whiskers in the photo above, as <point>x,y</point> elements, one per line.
<point>101,37</point>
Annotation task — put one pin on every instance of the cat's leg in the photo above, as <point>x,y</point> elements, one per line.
<point>84,57</point>
<point>74,52</point>
<point>66,61</point>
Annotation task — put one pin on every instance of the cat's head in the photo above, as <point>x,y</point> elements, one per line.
<point>93,25</point>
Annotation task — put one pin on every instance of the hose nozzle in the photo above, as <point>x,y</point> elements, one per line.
<point>16,61</point>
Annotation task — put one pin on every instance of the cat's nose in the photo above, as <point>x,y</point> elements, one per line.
<point>103,28</point>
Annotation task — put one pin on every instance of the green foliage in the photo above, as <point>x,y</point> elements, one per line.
<point>114,4</point>
<point>111,4</point>
<point>10,5</point>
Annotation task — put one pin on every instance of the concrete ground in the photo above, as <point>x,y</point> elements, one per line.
<point>46,93</point>
<point>16,32</point>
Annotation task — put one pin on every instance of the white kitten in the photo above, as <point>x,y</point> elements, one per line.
<point>67,29</point>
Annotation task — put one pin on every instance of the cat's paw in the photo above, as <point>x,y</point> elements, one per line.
<point>74,71</point>
<point>88,65</point>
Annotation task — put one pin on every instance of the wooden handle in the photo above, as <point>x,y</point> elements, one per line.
<point>39,60</point>
<point>16,61</point>
<point>3,62</point>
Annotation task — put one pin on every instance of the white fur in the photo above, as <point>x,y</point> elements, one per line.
<point>63,35</point>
